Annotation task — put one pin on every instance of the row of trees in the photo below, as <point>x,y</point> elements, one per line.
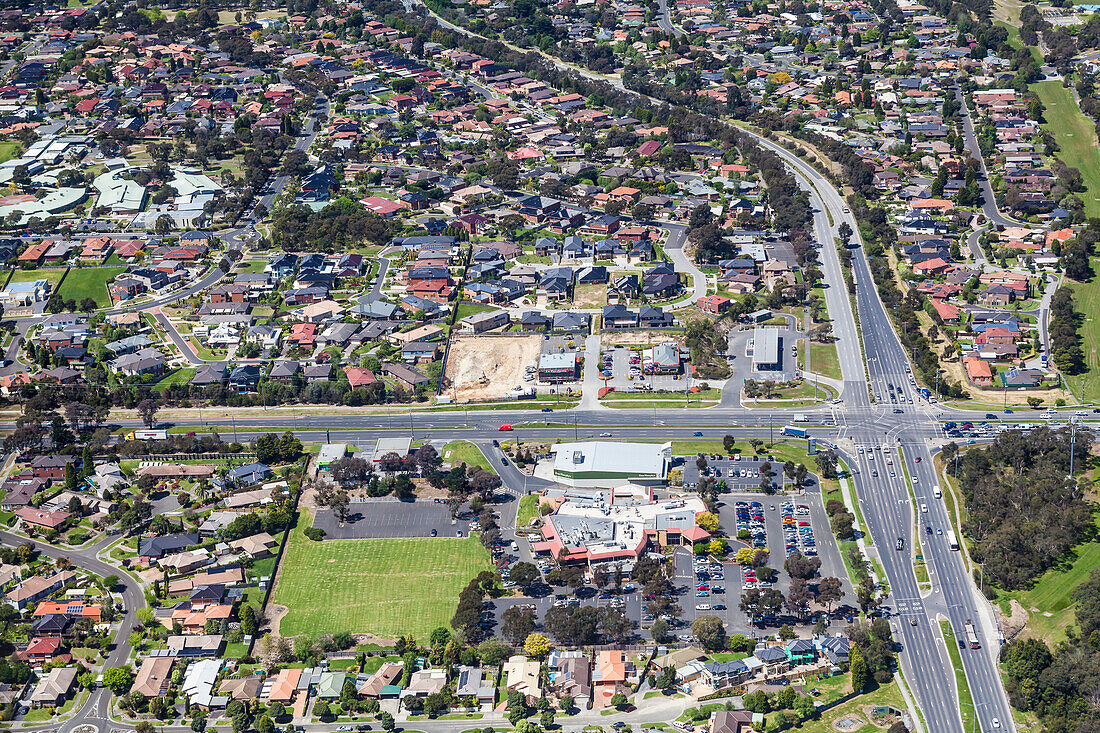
<point>1065,338</point>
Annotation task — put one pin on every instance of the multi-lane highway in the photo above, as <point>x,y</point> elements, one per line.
<point>887,508</point>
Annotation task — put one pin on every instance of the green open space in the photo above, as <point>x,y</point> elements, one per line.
<point>388,587</point>
<point>854,709</point>
<point>1087,297</point>
<point>664,399</point>
<point>1052,594</point>
<point>1076,137</point>
<point>463,451</point>
<point>824,360</point>
<point>89,282</point>
<point>808,391</point>
<point>9,149</point>
<point>1049,601</point>
<point>1015,41</point>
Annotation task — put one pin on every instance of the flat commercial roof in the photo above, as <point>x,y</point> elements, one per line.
<point>765,347</point>
<point>400,446</point>
<point>331,452</point>
<point>567,360</point>
<point>598,459</point>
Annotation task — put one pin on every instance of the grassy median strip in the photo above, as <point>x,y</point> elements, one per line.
<point>966,701</point>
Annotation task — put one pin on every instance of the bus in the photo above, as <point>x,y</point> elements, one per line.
<point>951,541</point>
<point>972,636</point>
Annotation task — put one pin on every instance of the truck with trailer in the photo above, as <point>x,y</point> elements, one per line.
<point>972,636</point>
<point>147,435</point>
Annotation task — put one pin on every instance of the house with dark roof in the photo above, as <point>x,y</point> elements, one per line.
<point>731,721</point>
<point>774,659</point>
<point>153,548</point>
<point>244,378</point>
<point>570,322</point>
<point>534,321</point>
<point>405,374</point>
<point>618,316</point>
<point>249,474</point>
<point>207,374</point>
<point>659,284</point>
<point>835,648</point>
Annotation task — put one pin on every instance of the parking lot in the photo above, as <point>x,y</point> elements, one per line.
<point>703,587</point>
<point>740,348</point>
<point>388,518</point>
<point>562,343</point>
<point>622,369</point>
<point>741,473</point>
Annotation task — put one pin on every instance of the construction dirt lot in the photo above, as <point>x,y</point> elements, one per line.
<point>500,359</point>
<point>628,337</point>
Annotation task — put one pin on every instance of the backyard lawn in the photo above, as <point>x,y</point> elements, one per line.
<point>387,587</point>
<point>53,274</point>
<point>89,282</point>
<point>180,376</point>
<point>462,310</point>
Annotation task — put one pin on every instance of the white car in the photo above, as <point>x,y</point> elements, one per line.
<point>996,723</point>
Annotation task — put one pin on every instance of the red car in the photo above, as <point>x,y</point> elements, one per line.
<point>504,428</point>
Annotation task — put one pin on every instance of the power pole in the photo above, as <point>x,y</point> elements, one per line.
<point>1072,443</point>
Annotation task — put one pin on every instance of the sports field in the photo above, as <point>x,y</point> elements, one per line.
<point>387,587</point>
